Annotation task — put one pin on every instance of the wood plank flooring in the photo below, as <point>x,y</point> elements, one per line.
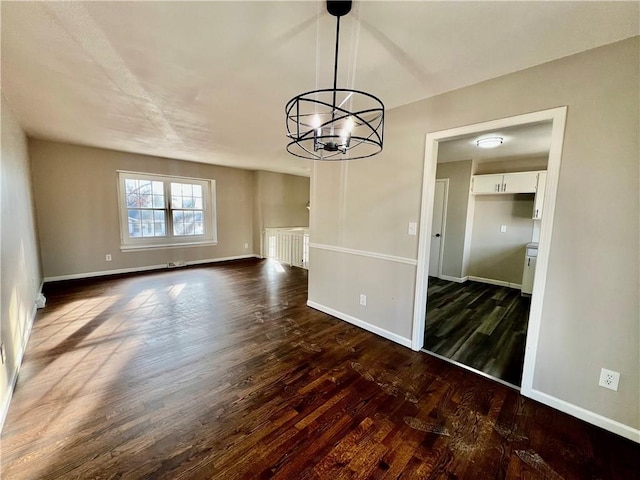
<point>479,325</point>
<point>223,372</point>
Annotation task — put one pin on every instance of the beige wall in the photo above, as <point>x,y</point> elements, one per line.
<point>590,316</point>
<point>388,302</point>
<point>496,255</point>
<point>459,175</point>
<point>279,201</point>
<point>78,220</point>
<point>523,164</point>
<point>493,255</point>
<point>20,275</point>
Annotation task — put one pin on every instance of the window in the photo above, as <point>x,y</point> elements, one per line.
<point>158,211</point>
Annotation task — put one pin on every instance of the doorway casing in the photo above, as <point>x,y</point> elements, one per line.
<point>558,118</point>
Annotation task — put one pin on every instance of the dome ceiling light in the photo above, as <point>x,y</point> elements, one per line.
<point>489,142</point>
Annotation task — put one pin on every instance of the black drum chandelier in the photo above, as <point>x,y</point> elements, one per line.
<point>327,124</point>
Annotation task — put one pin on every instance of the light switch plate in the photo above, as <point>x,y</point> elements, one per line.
<point>503,228</point>
<point>413,228</point>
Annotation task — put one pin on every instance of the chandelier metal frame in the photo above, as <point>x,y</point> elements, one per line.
<point>320,128</point>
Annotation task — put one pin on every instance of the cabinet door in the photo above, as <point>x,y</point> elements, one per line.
<point>486,184</point>
<point>539,200</point>
<point>524,182</point>
<point>528,274</point>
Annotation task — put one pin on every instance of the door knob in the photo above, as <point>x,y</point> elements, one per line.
<point>437,235</point>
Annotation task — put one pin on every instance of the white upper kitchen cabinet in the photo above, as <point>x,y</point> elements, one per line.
<point>521,182</point>
<point>517,182</point>
<point>486,184</point>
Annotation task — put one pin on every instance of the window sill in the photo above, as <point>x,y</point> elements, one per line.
<point>162,246</point>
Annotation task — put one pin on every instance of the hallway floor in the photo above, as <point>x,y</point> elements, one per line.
<point>479,325</point>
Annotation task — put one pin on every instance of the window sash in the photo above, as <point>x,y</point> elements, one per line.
<point>165,211</point>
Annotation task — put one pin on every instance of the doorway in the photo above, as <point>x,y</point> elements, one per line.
<point>557,118</point>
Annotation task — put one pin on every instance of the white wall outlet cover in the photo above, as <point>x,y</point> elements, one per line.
<point>363,300</point>
<point>413,228</point>
<point>503,228</point>
<point>609,379</point>
<point>41,301</point>
<point>107,257</point>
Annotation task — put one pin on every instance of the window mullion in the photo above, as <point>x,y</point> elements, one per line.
<point>168,207</point>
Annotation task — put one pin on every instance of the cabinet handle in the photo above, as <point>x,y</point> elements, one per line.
<point>528,262</point>
<point>536,213</point>
<point>497,187</point>
<point>504,187</point>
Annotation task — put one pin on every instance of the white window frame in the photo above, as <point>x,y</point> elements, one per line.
<point>210,236</point>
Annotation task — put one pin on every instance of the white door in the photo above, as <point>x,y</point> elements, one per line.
<point>437,227</point>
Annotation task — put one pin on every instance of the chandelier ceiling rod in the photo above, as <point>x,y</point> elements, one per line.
<point>335,68</point>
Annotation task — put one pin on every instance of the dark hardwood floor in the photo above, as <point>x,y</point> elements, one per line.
<point>223,372</point>
<point>479,325</point>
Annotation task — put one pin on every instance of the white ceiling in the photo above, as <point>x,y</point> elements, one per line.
<point>208,81</point>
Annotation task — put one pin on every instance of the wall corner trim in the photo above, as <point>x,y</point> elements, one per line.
<point>405,342</point>
<point>588,416</point>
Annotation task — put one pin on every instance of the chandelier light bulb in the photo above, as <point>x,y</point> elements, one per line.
<point>348,125</point>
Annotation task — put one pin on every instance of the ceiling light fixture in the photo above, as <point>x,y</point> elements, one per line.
<point>489,142</point>
<point>326,124</point>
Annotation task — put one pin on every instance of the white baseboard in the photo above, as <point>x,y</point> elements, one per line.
<point>103,273</point>
<point>223,259</point>
<point>453,279</point>
<point>491,281</point>
<point>4,408</point>
<point>405,342</point>
<point>584,414</point>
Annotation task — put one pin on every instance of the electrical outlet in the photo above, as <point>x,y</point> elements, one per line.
<point>363,300</point>
<point>413,228</point>
<point>107,257</point>
<point>609,379</point>
<point>503,228</point>
<point>246,245</point>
